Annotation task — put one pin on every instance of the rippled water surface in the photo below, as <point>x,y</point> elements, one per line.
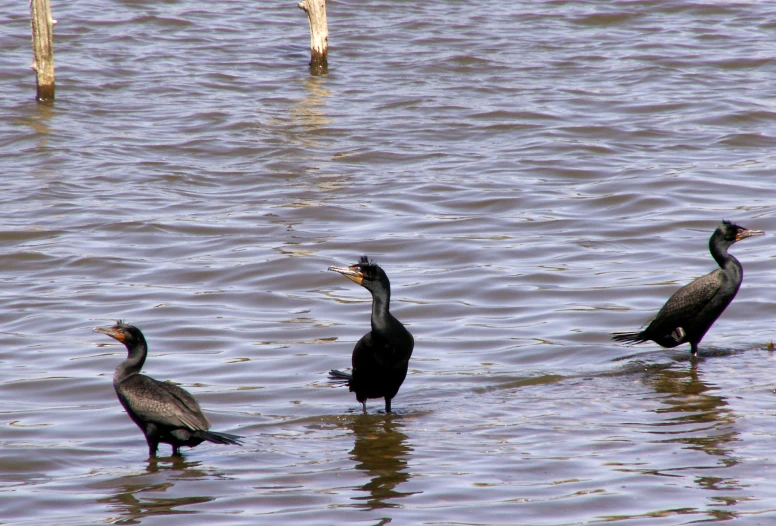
<point>531,175</point>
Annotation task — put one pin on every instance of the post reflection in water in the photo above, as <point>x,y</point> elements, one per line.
<point>307,114</point>
<point>141,495</point>
<point>704,421</point>
<point>37,119</point>
<point>381,452</point>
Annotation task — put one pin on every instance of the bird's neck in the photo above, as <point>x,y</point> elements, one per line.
<point>380,310</point>
<point>725,261</point>
<point>134,362</point>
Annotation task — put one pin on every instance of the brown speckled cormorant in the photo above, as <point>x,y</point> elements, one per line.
<point>692,310</point>
<point>381,357</point>
<point>163,411</point>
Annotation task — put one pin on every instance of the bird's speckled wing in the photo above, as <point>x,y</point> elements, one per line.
<point>687,302</point>
<point>162,403</point>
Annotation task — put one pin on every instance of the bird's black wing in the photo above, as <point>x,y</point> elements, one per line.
<point>379,353</point>
<point>364,353</point>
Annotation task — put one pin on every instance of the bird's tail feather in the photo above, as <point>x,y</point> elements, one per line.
<point>221,438</point>
<point>629,337</point>
<point>340,377</point>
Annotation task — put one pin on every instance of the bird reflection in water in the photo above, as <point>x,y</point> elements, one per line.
<point>381,452</point>
<point>704,421</point>
<point>141,495</point>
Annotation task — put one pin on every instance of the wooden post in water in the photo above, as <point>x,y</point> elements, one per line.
<point>319,35</point>
<point>43,48</point>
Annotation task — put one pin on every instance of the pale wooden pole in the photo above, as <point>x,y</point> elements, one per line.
<point>319,35</point>
<point>43,47</point>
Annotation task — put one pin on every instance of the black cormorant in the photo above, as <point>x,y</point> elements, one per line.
<point>381,357</point>
<point>163,411</point>
<point>692,310</point>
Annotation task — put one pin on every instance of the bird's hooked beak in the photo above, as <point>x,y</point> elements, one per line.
<point>745,233</point>
<point>112,332</point>
<point>352,273</point>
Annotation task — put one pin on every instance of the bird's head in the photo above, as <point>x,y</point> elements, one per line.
<point>733,233</point>
<point>123,332</point>
<point>366,273</point>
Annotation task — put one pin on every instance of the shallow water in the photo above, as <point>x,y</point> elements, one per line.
<point>532,176</point>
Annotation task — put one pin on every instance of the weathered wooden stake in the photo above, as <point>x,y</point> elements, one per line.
<point>43,47</point>
<point>319,35</point>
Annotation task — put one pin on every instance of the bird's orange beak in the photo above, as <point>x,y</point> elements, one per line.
<point>745,233</point>
<point>352,273</point>
<point>112,332</point>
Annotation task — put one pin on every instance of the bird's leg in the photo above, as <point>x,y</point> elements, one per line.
<point>176,451</point>
<point>387,405</point>
<point>153,445</point>
<point>694,349</point>
<point>363,404</point>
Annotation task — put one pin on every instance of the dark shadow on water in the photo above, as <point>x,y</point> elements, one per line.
<point>516,383</point>
<point>381,452</point>
<point>681,353</point>
<point>140,495</point>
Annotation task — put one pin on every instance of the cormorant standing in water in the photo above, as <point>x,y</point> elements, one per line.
<point>163,411</point>
<point>692,310</point>
<point>381,357</point>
